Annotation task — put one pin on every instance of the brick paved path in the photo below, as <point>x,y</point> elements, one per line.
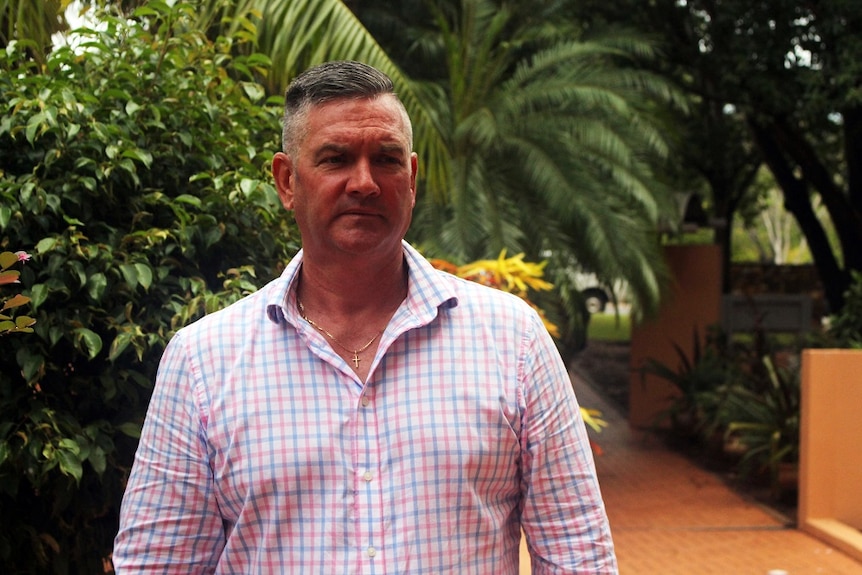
<point>670,517</point>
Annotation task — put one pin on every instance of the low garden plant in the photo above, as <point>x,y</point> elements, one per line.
<point>746,391</point>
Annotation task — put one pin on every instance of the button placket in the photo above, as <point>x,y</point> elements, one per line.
<point>369,503</point>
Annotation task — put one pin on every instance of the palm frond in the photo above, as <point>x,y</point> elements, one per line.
<point>297,34</point>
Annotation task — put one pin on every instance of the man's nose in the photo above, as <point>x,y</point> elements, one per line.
<point>362,179</point>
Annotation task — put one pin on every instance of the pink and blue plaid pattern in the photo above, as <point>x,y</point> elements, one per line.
<point>263,453</point>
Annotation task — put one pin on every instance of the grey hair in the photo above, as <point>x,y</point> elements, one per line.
<point>328,82</point>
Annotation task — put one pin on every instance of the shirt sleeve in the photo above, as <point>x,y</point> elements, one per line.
<point>563,515</point>
<point>169,519</point>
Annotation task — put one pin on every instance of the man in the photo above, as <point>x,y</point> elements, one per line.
<point>363,413</point>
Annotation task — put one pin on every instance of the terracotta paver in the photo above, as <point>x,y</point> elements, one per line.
<point>670,517</point>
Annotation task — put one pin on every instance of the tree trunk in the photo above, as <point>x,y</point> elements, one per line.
<point>797,201</point>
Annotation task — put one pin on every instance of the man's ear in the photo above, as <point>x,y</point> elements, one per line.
<point>414,169</point>
<point>282,173</point>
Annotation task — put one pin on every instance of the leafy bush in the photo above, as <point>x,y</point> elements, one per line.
<point>743,392</point>
<point>701,383</point>
<point>846,326</point>
<point>764,419</point>
<point>136,172</point>
<point>9,321</point>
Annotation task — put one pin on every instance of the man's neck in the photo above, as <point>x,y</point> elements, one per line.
<point>354,291</point>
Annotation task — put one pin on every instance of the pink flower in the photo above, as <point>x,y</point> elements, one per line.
<point>23,256</point>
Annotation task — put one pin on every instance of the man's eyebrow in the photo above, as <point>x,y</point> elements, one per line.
<point>326,149</point>
<point>393,147</point>
<point>332,147</point>
<point>385,147</point>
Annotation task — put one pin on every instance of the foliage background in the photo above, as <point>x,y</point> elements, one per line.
<point>137,175</point>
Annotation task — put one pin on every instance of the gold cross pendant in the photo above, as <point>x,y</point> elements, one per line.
<point>355,359</point>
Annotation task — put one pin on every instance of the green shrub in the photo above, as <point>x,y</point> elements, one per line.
<point>845,328</point>
<point>764,416</point>
<point>136,173</point>
<point>700,381</point>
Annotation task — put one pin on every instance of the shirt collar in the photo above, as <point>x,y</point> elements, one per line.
<point>428,289</point>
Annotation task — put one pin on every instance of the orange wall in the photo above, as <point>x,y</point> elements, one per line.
<point>830,463</point>
<point>831,435</point>
<point>692,303</point>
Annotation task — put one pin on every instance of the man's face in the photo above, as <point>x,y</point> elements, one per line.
<point>352,182</point>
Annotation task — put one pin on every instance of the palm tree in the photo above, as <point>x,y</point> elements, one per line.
<point>550,140</point>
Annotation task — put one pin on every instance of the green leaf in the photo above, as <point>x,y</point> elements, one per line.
<point>248,185</point>
<point>188,199</point>
<point>45,245</point>
<point>96,285</point>
<point>70,445</point>
<point>132,107</point>
<point>119,345</point>
<point>88,182</point>
<point>72,221</point>
<point>145,275</point>
<point>38,295</point>
<point>130,274</point>
<point>142,156</point>
<point>133,430</point>
<point>73,131</point>
<point>5,216</point>
<point>254,91</point>
<point>97,460</point>
<point>90,339</point>
<point>77,269</point>
<point>31,363</point>
<point>70,464</point>
<point>33,125</point>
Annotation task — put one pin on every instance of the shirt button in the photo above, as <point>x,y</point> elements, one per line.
<point>365,401</point>
<point>367,476</point>
<point>372,551</point>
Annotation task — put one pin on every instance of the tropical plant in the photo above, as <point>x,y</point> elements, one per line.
<point>699,382</point>
<point>510,274</point>
<point>740,395</point>
<point>548,138</point>
<point>137,171</point>
<point>765,420</point>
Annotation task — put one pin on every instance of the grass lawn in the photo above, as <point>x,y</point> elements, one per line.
<point>609,327</point>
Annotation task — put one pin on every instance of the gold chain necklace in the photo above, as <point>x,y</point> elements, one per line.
<point>355,352</point>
